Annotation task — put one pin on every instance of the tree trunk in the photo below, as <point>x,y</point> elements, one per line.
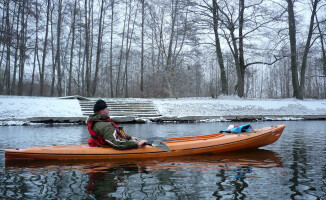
<point>219,50</point>
<point>298,89</point>
<point>35,50</point>
<point>72,48</point>
<point>41,71</point>
<point>13,85</point>
<point>22,50</point>
<point>173,17</point>
<point>87,38</point>
<point>111,50</point>
<point>9,38</point>
<point>58,57</point>
<point>322,46</point>
<point>121,52</point>
<point>293,47</point>
<point>307,48</point>
<point>142,49</point>
<point>128,47</point>
<point>169,72</point>
<point>98,51</point>
<point>53,54</point>
<point>127,53</point>
<point>3,36</point>
<point>80,66</point>
<point>235,53</point>
<point>91,43</point>
<point>241,52</point>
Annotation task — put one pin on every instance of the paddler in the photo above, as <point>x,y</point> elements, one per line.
<point>106,133</point>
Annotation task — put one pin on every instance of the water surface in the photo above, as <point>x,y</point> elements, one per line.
<point>292,168</point>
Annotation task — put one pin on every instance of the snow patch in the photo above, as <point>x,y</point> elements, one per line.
<point>17,107</point>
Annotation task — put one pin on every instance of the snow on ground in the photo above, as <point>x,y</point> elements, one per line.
<point>228,106</point>
<point>21,107</point>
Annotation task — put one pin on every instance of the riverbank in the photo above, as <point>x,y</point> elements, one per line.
<point>24,110</point>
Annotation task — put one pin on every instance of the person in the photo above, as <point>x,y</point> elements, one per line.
<point>106,133</point>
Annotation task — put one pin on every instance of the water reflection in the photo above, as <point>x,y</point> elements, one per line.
<point>139,179</point>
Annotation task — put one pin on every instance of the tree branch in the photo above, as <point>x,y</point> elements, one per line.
<point>265,63</point>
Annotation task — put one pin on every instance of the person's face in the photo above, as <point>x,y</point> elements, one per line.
<point>104,111</point>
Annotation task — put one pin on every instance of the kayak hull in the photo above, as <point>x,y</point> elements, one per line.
<point>180,146</point>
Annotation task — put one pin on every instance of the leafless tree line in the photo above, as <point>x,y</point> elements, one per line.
<point>170,48</point>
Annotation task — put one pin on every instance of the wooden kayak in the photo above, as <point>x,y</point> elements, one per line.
<point>180,146</point>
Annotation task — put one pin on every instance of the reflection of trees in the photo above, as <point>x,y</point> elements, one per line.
<point>324,171</point>
<point>102,184</point>
<point>222,179</point>
<point>41,184</point>
<point>235,183</point>
<point>298,166</point>
<point>324,175</point>
<point>239,186</point>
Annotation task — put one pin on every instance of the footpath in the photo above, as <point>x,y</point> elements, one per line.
<point>24,110</point>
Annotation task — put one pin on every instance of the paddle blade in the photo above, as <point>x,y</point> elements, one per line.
<point>161,145</point>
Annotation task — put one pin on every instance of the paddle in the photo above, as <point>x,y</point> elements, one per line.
<point>159,144</point>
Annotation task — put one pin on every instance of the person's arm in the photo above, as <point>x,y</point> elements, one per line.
<point>142,142</point>
<point>108,132</point>
<point>122,143</point>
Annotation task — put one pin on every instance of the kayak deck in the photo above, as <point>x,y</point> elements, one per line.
<point>190,145</point>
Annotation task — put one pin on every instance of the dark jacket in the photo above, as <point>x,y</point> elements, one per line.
<point>110,134</point>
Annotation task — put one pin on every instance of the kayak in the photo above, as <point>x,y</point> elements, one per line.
<point>179,146</point>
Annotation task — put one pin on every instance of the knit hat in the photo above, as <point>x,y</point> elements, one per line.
<point>99,105</point>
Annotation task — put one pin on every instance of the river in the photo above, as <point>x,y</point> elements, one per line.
<point>294,167</point>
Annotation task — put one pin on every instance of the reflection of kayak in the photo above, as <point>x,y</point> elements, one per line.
<point>258,158</point>
<point>180,146</point>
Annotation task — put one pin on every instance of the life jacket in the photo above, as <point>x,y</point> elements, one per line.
<point>98,141</point>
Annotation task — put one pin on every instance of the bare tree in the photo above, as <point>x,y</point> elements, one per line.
<point>22,47</point>
<point>99,49</point>
<point>323,48</point>
<point>58,51</point>
<point>13,85</point>
<point>8,37</point>
<point>142,48</point>
<point>53,52</point>
<point>111,47</point>
<point>238,26</point>
<point>130,32</point>
<point>218,48</point>
<point>42,70</point>
<point>73,29</point>
<point>298,87</point>
<point>87,46</point>
<point>36,53</point>
<point>117,93</point>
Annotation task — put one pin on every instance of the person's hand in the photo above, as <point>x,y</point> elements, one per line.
<point>142,142</point>
<point>134,138</point>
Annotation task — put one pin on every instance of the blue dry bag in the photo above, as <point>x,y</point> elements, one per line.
<point>239,129</point>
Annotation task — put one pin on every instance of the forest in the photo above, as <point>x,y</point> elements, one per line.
<point>163,48</point>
